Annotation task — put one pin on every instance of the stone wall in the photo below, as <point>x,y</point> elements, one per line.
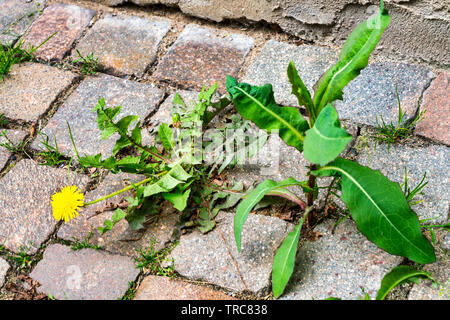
<point>419,30</point>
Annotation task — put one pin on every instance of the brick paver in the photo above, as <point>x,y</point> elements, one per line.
<point>339,264</point>
<point>69,21</point>
<point>163,288</point>
<point>30,89</point>
<point>373,93</point>
<point>432,160</point>
<point>85,274</point>
<point>135,98</point>
<point>200,57</point>
<point>271,67</point>
<point>436,102</point>
<point>25,204</point>
<point>16,16</point>
<point>204,257</point>
<point>124,44</point>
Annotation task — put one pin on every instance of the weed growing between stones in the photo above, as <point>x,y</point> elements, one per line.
<point>174,170</point>
<point>83,244</point>
<point>390,133</point>
<point>49,154</point>
<point>14,54</point>
<point>9,144</point>
<point>155,262</point>
<point>88,64</point>
<point>131,292</point>
<point>3,121</point>
<point>378,205</point>
<point>172,166</point>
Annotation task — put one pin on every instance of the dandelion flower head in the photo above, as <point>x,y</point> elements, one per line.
<point>66,203</point>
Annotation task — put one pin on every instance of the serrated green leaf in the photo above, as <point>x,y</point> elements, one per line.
<point>121,143</point>
<point>166,136</point>
<point>169,181</point>
<point>178,198</point>
<point>398,276</point>
<point>108,131</point>
<point>252,199</point>
<point>136,221</point>
<point>380,210</point>
<point>178,100</point>
<point>284,261</point>
<point>326,139</point>
<point>258,105</point>
<point>125,122</point>
<point>118,215</point>
<point>353,58</point>
<point>136,134</point>
<point>300,91</point>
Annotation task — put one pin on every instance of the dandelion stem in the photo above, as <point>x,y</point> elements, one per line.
<point>118,192</point>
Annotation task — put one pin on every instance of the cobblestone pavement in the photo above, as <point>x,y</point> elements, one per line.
<point>145,56</point>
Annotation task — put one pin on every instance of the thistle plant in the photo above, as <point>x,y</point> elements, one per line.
<point>377,205</point>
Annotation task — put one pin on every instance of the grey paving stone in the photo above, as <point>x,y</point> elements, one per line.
<point>201,56</point>
<point>121,239</point>
<point>15,137</point>
<point>164,288</point>
<point>338,265</point>
<point>440,271</point>
<point>369,95</point>
<point>30,88</point>
<point>124,44</point>
<point>431,159</point>
<point>446,242</point>
<point>271,67</point>
<point>372,94</point>
<point>85,274</point>
<point>16,16</point>
<point>136,98</point>
<point>204,257</point>
<point>4,267</point>
<point>25,204</point>
<point>69,21</point>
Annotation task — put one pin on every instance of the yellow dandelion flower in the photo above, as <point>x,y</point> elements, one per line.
<point>66,203</point>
